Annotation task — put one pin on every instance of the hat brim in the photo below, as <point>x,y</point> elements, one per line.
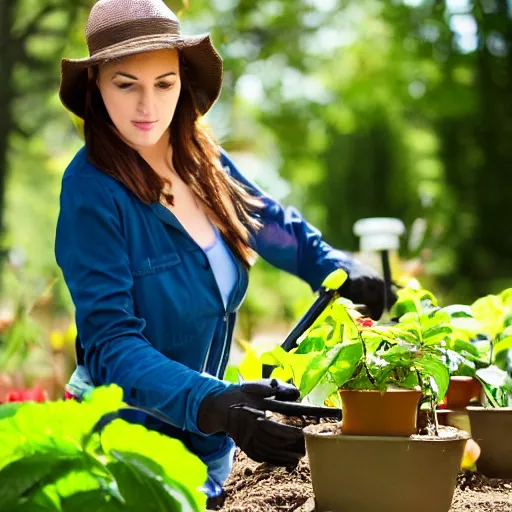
<point>204,68</point>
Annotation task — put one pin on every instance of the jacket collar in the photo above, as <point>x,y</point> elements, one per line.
<point>165,215</point>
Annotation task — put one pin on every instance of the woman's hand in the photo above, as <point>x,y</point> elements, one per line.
<point>240,412</point>
<point>365,286</point>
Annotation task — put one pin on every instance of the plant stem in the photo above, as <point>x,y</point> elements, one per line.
<point>370,377</point>
<point>431,412</point>
<point>434,415</point>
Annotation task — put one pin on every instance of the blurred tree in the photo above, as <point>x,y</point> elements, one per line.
<point>381,108</point>
<point>32,37</point>
<point>374,107</point>
<point>468,104</point>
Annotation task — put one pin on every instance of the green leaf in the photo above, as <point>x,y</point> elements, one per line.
<point>98,500</point>
<point>502,345</point>
<point>413,301</point>
<point>462,346</point>
<point>231,374</point>
<point>490,312</point>
<point>433,319</point>
<point>410,323</point>
<point>403,307</point>
<point>506,297</point>
<point>79,489</point>
<point>45,466</point>
<point>292,363</point>
<point>316,339</point>
<point>376,335</point>
<point>9,409</point>
<point>250,367</point>
<point>410,380</point>
<point>311,344</point>
<point>470,327</point>
<point>343,367</point>
<point>426,297</point>
<point>143,487</point>
<point>321,392</point>
<point>402,354</point>
<point>458,364</point>
<point>42,500</point>
<point>179,466</point>
<point>340,313</point>
<point>89,475</point>
<point>433,369</point>
<point>436,335</point>
<point>361,380</point>
<point>59,428</point>
<point>27,474</point>
<point>340,361</point>
<point>317,369</point>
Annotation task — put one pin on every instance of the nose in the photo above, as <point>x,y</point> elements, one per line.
<point>145,102</point>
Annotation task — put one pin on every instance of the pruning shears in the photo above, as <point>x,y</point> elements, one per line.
<point>329,292</point>
<point>295,409</point>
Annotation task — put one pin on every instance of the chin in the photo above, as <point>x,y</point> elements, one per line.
<point>144,140</point>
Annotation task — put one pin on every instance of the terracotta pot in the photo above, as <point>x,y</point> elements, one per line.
<point>383,473</point>
<point>491,429</point>
<point>461,391</point>
<point>372,413</point>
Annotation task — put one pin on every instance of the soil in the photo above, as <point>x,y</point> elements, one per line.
<point>255,487</point>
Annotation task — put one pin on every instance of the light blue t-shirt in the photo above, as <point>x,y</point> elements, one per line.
<point>223,265</point>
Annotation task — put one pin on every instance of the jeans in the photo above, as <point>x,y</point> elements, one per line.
<point>218,472</point>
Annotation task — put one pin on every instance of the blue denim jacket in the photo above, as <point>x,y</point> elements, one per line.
<point>148,310</point>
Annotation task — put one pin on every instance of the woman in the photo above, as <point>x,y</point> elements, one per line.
<point>157,232</point>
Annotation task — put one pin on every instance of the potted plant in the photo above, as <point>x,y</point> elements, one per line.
<point>460,353</point>
<point>373,366</point>
<point>344,356</point>
<point>491,424</point>
<point>66,455</point>
<point>463,359</point>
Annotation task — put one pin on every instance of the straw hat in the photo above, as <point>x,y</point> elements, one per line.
<point>117,28</point>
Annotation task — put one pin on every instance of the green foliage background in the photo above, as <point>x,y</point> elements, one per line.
<point>345,109</point>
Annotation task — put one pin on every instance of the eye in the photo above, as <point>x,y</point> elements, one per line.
<point>124,86</point>
<point>164,85</point>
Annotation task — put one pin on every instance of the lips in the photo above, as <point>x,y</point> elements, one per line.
<point>145,126</point>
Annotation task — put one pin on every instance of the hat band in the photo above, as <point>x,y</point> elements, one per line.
<point>98,41</point>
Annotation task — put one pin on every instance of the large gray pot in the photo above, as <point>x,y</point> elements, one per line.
<point>492,430</point>
<point>383,474</point>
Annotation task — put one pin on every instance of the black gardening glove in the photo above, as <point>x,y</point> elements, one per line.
<point>365,286</point>
<point>239,411</point>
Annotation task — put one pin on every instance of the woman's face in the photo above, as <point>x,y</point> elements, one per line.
<point>140,93</point>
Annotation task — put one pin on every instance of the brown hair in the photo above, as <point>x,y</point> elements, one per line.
<point>195,157</point>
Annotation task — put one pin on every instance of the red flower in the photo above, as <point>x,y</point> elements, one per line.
<point>15,395</point>
<point>365,322</point>
<point>27,395</point>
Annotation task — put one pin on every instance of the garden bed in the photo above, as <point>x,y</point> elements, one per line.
<point>254,487</point>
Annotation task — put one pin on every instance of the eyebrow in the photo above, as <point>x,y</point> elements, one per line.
<point>127,75</point>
